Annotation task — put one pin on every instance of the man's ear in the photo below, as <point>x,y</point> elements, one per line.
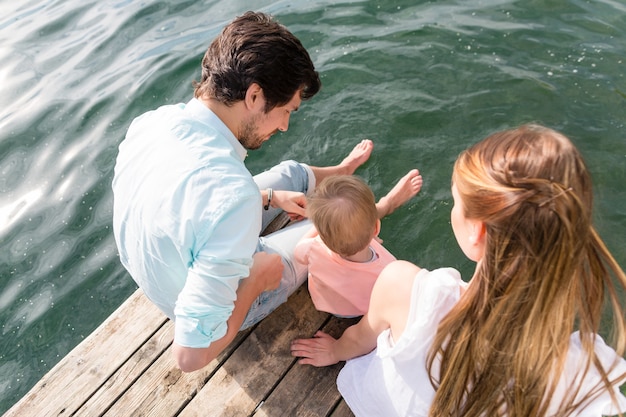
<point>254,100</point>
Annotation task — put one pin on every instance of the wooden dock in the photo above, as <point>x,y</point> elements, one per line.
<point>125,368</point>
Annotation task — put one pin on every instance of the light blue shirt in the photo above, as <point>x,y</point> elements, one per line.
<point>186,216</point>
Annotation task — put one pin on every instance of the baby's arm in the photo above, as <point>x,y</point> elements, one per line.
<point>301,252</point>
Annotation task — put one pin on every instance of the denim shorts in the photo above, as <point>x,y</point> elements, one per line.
<point>292,176</point>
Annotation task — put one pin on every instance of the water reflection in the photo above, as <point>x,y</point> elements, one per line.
<point>423,80</point>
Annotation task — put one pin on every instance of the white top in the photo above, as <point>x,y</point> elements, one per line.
<point>393,380</point>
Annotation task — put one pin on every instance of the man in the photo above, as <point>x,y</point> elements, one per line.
<point>187,213</point>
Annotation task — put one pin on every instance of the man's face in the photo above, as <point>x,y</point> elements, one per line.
<point>259,127</point>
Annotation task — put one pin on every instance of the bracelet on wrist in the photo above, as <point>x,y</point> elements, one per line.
<point>269,199</point>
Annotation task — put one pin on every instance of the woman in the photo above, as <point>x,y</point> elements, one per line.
<point>520,339</point>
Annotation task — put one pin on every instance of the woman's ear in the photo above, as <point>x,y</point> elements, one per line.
<point>477,238</point>
<point>477,232</point>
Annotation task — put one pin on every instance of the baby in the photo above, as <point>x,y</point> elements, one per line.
<point>342,252</point>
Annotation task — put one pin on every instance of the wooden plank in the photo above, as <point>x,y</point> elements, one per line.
<point>163,389</point>
<point>280,221</point>
<point>253,370</point>
<point>306,390</point>
<point>342,410</point>
<point>125,376</point>
<point>66,386</point>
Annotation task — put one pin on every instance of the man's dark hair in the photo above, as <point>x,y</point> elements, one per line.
<point>253,48</point>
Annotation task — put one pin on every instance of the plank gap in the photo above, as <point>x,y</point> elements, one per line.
<point>284,373</point>
<point>122,364</point>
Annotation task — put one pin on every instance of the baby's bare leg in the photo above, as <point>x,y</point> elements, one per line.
<point>403,191</point>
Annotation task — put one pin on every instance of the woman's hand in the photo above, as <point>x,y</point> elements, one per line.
<point>317,351</point>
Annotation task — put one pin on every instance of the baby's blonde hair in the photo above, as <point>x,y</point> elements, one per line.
<point>343,210</point>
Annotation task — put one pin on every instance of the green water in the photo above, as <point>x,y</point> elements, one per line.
<point>422,79</point>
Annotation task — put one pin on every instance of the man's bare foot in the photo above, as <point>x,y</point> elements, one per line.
<point>403,191</point>
<point>359,155</point>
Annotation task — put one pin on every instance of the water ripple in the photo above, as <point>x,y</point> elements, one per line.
<point>423,79</point>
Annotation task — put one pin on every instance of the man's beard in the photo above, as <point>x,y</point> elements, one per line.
<point>249,136</point>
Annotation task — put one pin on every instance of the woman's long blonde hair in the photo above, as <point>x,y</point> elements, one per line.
<point>545,273</point>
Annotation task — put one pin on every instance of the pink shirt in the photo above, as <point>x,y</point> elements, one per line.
<point>337,285</point>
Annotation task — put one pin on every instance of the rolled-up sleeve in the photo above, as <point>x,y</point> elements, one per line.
<point>207,299</point>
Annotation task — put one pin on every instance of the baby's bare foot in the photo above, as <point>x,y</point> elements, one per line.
<point>403,191</point>
<point>357,157</point>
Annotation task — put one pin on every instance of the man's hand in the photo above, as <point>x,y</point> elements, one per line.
<point>292,202</point>
<point>266,271</point>
<point>318,351</point>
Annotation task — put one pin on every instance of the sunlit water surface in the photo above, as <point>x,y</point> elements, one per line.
<point>422,79</point>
